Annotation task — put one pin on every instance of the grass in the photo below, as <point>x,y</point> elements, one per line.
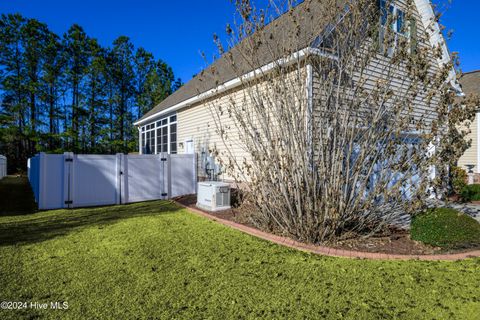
<point>157,261</point>
<point>16,196</point>
<point>446,228</point>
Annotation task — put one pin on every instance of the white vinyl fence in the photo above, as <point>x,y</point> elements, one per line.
<point>75,181</point>
<point>3,167</point>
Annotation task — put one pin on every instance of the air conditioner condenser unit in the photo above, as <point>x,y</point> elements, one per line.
<point>213,196</point>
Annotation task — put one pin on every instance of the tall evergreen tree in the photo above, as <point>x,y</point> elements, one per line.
<point>14,117</point>
<point>72,94</point>
<point>52,88</point>
<point>122,75</point>
<point>162,80</point>
<point>154,81</point>
<point>96,93</point>
<point>178,84</point>
<point>76,44</point>
<point>34,37</point>
<point>144,66</point>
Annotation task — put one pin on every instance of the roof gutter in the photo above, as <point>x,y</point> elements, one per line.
<point>238,81</point>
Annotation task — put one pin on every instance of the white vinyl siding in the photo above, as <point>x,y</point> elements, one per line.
<point>470,157</point>
<point>378,69</point>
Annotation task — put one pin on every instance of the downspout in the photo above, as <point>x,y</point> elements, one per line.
<point>309,113</point>
<point>140,140</point>
<point>477,118</point>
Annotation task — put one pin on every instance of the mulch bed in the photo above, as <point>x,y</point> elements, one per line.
<point>397,242</point>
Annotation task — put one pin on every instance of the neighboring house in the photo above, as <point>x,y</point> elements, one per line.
<point>470,82</point>
<point>183,123</point>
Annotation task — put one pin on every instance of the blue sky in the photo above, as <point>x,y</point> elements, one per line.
<point>176,31</point>
<point>461,16</point>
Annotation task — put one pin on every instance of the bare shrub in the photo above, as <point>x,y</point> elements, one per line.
<point>346,121</point>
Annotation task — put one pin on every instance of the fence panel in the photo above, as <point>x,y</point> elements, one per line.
<point>3,166</point>
<point>74,181</point>
<point>145,178</point>
<point>182,175</point>
<point>94,180</point>
<point>51,187</point>
<point>34,176</point>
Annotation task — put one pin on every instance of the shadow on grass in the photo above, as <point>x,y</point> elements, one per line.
<point>16,229</point>
<point>16,197</point>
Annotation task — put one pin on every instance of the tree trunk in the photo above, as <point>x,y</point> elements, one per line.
<point>92,117</point>
<point>75,116</point>
<point>33,117</point>
<point>51,117</point>
<point>122,117</point>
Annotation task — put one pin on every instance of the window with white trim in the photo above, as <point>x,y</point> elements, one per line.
<point>160,136</point>
<point>148,139</point>
<point>392,15</point>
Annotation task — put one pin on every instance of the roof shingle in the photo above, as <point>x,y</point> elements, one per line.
<point>470,82</point>
<point>303,23</point>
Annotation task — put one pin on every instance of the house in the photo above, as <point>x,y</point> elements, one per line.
<point>470,82</point>
<point>183,123</point>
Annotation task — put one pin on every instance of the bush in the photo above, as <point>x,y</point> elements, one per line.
<point>459,179</point>
<point>446,228</point>
<point>471,192</point>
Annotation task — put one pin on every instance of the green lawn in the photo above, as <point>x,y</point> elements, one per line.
<point>16,196</point>
<point>157,261</point>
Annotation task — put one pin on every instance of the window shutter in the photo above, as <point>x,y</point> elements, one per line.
<point>413,36</point>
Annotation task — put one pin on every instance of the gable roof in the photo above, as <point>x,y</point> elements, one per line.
<point>311,15</point>
<point>470,82</point>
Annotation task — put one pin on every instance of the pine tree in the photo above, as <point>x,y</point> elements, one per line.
<point>72,94</point>
<point>178,84</point>
<point>96,93</point>
<point>164,81</point>
<point>76,44</point>
<point>144,64</point>
<point>34,37</point>
<point>51,88</point>
<point>13,87</point>
<point>122,75</point>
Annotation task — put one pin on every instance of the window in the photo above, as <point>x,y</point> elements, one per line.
<point>389,170</point>
<point>160,136</point>
<point>383,12</point>
<point>173,138</point>
<point>401,22</point>
<point>164,135</point>
<point>398,26</point>
<point>159,141</point>
<point>148,140</point>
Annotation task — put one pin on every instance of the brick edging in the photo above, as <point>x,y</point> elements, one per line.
<point>326,251</point>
